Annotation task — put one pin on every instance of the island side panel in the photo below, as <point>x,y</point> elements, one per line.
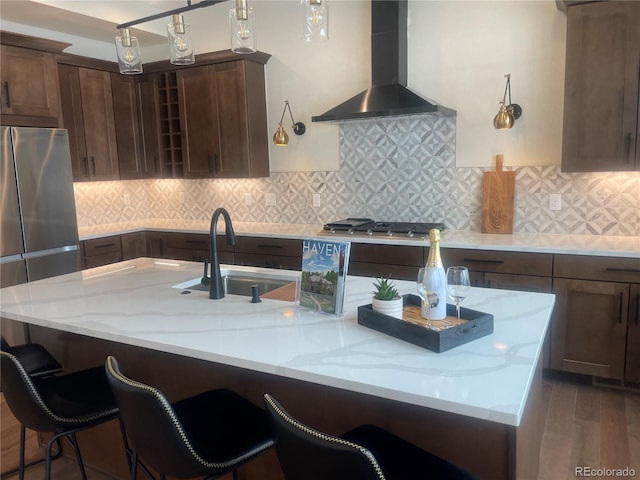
<point>487,449</point>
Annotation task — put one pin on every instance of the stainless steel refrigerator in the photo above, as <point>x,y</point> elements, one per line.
<point>39,231</point>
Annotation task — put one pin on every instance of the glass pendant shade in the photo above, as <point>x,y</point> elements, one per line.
<point>180,43</point>
<point>242,27</point>
<point>280,138</point>
<point>128,50</point>
<point>316,20</point>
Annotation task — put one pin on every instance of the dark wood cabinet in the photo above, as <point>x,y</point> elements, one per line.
<point>29,87</point>
<point>601,87</point>
<point>192,247</point>
<point>136,123</point>
<point>396,261</point>
<point>268,252</point>
<point>595,319</point>
<point>102,251</point>
<point>87,109</point>
<point>223,120</point>
<point>134,245</point>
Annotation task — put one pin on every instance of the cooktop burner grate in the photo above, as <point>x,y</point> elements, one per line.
<point>371,227</point>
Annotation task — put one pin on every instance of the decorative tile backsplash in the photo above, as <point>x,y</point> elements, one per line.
<point>393,169</point>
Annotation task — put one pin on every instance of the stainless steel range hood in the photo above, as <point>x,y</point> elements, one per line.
<point>388,95</point>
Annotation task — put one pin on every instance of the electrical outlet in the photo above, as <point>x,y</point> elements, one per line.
<point>126,198</point>
<point>270,198</point>
<point>316,200</point>
<point>555,201</point>
<point>248,199</point>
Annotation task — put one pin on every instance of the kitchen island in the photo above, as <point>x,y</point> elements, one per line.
<point>475,405</point>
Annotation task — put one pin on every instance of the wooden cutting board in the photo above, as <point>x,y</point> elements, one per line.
<point>497,200</point>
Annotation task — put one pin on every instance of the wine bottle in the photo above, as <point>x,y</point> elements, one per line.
<point>435,281</point>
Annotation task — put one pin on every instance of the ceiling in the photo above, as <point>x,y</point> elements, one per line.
<point>92,19</point>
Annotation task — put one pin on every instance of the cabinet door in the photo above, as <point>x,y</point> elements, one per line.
<point>29,85</point>
<point>134,245</point>
<point>601,87</point>
<point>589,327</point>
<point>99,124</point>
<point>242,120</point>
<point>72,120</point>
<point>199,120</point>
<point>127,126</point>
<point>632,367</point>
<point>149,124</point>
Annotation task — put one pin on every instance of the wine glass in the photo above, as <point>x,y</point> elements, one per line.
<point>427,284</point>
<point>458,285</point>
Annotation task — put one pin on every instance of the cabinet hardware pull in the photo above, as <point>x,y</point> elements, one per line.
<point>270,246</point>
<point>623,270</point>
<point>620,309</point>
<point>198,242</point>
<point>638,309</point>
<point>155,163</point>
<point>497,262</point>
<point>6,89</point>
<point>104,245</point>
<point>627,148</point>
<point>93,164</point>
<point>209,162</point>
<point>86,166</point>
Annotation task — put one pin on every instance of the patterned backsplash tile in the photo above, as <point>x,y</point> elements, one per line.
<point>399,169</point>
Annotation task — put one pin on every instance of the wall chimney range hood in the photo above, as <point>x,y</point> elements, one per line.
<point>388,95</point>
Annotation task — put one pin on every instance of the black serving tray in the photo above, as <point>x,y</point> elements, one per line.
<point>475,325</point>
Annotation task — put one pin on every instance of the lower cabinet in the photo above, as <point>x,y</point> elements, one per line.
<point>595,326</point>
<point>398,262</point>
<point>269,252</point>
<point>192,247</point>
<point>102,251</point>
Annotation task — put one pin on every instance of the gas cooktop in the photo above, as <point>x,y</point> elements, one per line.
<point>369,226</point>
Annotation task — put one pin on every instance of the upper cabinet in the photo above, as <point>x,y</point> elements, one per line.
<point>29,87</point>
<point>136,125</point>
<point>601,88</point>
<point>87,110</point>
<point>223,120</point>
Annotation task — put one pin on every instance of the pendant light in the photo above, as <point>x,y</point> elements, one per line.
<point>128,50</point>
<point>242,27</point>
<point>316,20</point>
<point>508,114</point>
<point>180,43</point>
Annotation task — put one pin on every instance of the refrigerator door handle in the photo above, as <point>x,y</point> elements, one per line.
<point>50,251</point>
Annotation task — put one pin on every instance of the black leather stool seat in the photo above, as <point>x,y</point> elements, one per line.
<point>35,359</point>
<point>63,405</point>
<point>364,453</point>
<point>209,434</point>
<point>400,459</point>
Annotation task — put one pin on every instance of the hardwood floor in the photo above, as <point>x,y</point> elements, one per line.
<point>590,427</point>
<point>583,425</point>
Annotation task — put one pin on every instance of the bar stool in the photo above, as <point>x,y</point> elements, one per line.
<point>364,453</point>
<point>35,359</point>
<point>206,435</point>
<point>62,405</point>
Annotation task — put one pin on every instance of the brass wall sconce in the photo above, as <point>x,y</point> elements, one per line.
<point>508,114</point>
<point>280,138</point>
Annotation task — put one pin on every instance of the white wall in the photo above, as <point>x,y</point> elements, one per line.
<point>458,54</point>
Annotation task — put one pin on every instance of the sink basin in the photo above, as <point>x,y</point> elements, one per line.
<point>240,284</point>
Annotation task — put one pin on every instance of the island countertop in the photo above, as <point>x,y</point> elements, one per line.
<point>135,303</point>
<point>595,245</point>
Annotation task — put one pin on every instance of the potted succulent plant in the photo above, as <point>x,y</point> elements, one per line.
<point>386,298</point>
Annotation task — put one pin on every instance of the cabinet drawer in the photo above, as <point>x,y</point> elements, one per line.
<point>387,254</point>
<point>269,246</point>
<point>523,283</point>
<point>103,246</point>
<point>613,269</point>
<point>522,263</point>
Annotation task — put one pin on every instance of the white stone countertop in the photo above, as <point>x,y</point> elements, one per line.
<point>598,245</point>
<point>133,302</point>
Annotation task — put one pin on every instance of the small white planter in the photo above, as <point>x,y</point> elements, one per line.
<point>393,308</point>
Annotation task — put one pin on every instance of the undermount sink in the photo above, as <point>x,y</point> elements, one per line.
<point>240,284</point>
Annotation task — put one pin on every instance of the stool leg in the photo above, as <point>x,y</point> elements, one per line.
<point>23,434</point>
<point>74,442</point>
